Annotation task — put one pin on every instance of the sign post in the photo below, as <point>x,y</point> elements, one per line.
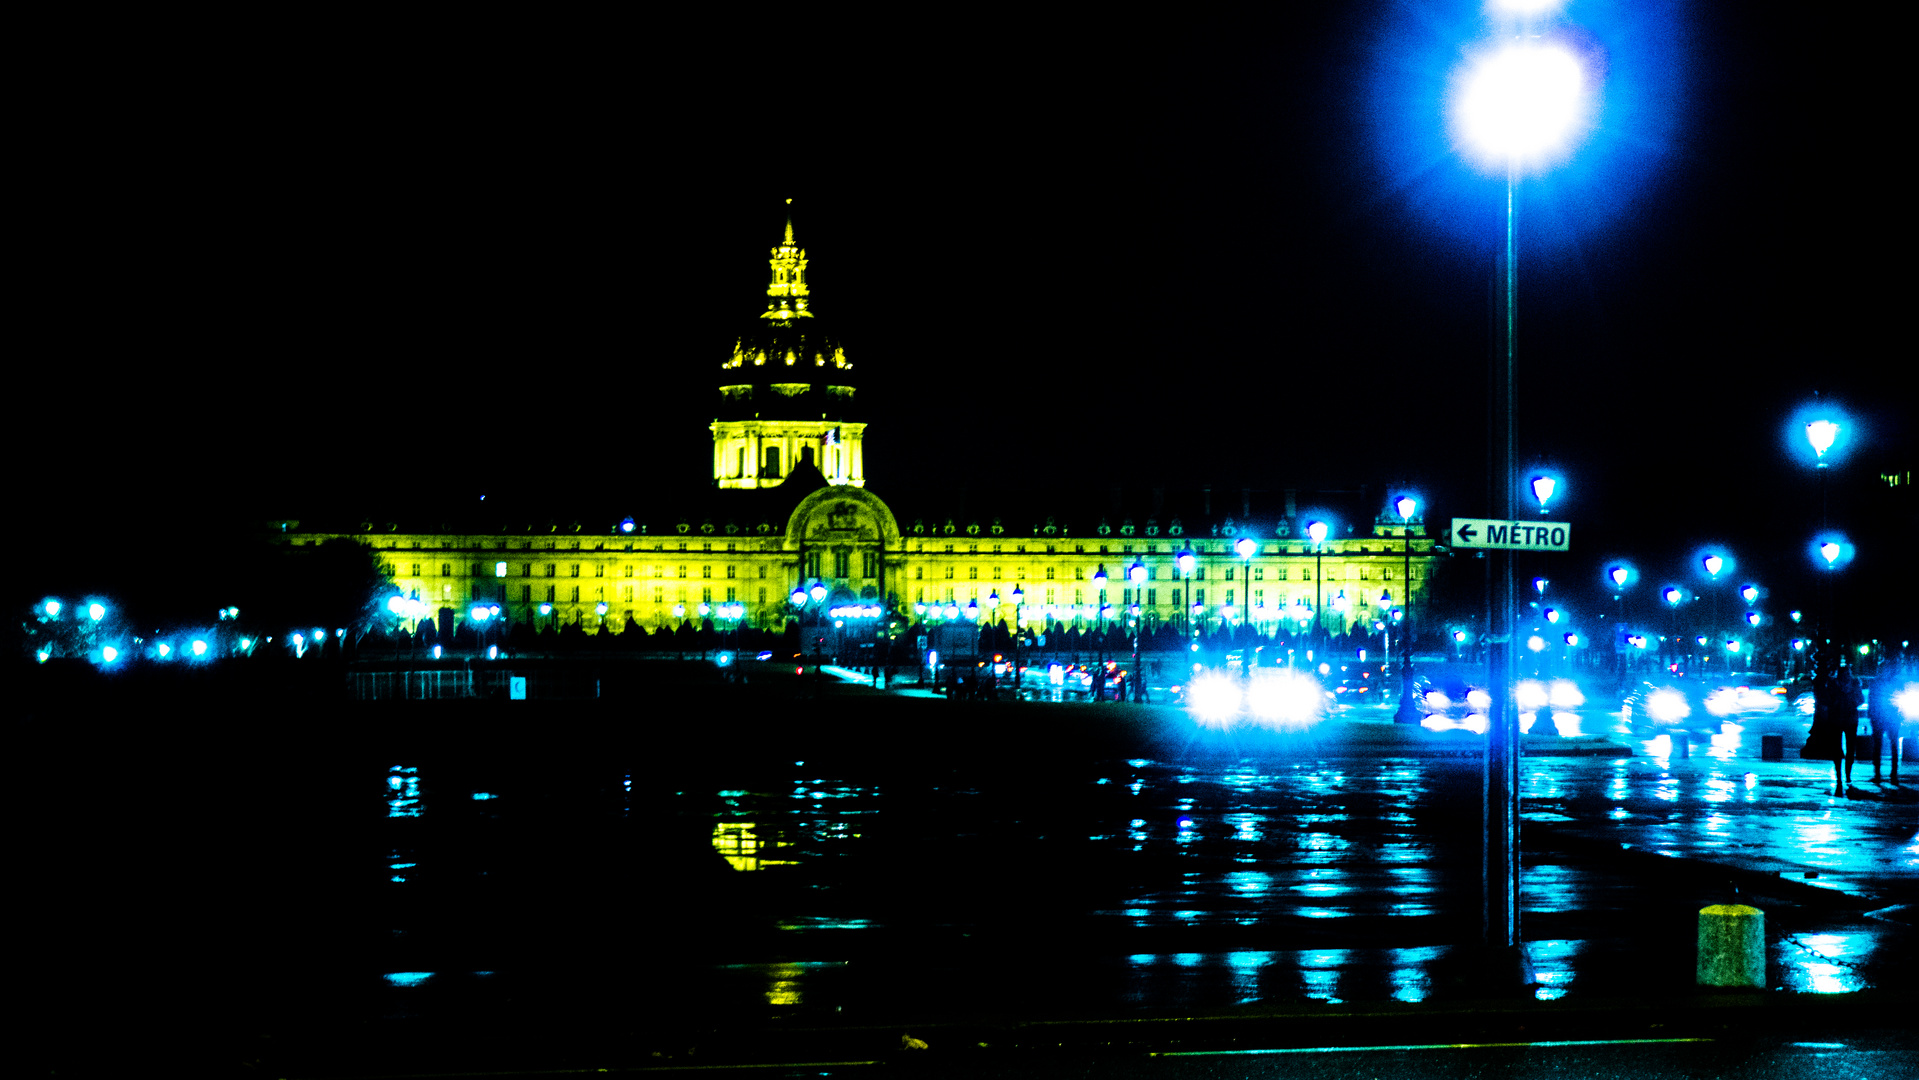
<point>1504,535</point>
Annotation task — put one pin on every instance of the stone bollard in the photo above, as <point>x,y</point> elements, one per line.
<point>1732,946</point>
<point>1772,747</point>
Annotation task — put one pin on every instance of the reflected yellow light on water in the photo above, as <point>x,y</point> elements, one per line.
<point>783,984</point>
<point>742,848</point>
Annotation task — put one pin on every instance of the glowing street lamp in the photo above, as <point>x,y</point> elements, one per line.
<point>1184,564</point>
<point>96,611</point>
<point>1821,434</point>
<point>1317,531</point>
<point>1018,597</point>
<point>1520,104</point>
<point>1247,548</point>
<point>1408,711</point>
<point>1099,672</point>
<point>1543,491</point>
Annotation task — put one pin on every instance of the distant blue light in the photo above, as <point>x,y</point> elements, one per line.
<point>408,978</point>
<point>1844,434</point>
<point>484,795</point>
<point>1830,550</point>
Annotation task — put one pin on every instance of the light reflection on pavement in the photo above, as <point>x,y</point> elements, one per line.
<point>1227,853</point>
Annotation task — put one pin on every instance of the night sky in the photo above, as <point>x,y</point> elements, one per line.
<point>307,270</point>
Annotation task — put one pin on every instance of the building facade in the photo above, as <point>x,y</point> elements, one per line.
<point>789,511</point>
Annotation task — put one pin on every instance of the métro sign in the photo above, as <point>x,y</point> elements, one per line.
<point>1512,535</point>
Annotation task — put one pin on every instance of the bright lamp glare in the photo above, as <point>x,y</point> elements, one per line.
<point>1667,706</point>
<point>1284,698</point>
<point>1530,695</point>
<point>1215,699</point>
<point>1565,694</point>
<point>1821,433</point>
<point>1522,102</point>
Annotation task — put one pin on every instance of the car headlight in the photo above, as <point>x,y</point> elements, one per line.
<point>1667,706</point>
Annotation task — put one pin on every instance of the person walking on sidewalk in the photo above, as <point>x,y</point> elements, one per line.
<point>1846,717</point>
<point>1882,716</point>
<point>1823,742</point>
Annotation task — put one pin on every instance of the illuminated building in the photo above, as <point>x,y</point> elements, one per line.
<point>789,508</point>
<point>788,382</point>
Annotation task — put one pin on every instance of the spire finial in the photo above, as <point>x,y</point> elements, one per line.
<point>786,293</point>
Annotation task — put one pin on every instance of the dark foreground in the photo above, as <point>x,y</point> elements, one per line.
<point>236,884</point>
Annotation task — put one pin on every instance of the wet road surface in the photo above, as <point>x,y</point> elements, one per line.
<point>1133,884</point>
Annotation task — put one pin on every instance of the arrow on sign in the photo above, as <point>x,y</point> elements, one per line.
<point>1467,532</point>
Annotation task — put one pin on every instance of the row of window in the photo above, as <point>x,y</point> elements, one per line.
<point>1125,597</point>
<point>554,594</point>
<point>501,569</point>
<point>706,546</point>
<point>842,565</point>
<point>1199,549</point>
<point>1152,573</point>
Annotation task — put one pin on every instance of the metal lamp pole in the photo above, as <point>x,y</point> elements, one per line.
<point>1137,572</point>
<point>1099,671</point>
<point>1317,530</point>
<point>1019,604</point>
<point>1407,713</point>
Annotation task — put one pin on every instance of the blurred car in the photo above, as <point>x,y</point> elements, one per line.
<point>1754,697</point>
<point>1655,707</point>
<point>1358,684</point>
<point>1452,704</point>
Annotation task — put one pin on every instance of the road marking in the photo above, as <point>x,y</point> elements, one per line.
<point>1426,1046</point>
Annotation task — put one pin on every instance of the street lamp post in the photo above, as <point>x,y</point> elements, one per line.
<point>1521,101</point>
<point>1137,574</point>
<point>1713,564</point>
<point>1099,671</point>
<point>1821,434</point>
<point>1408,712</point>
<point>1185,563</point>
<point>1317,530</point>
<point>1019,605</point>
<point>1619,574</point>
<point>1246,547</point>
